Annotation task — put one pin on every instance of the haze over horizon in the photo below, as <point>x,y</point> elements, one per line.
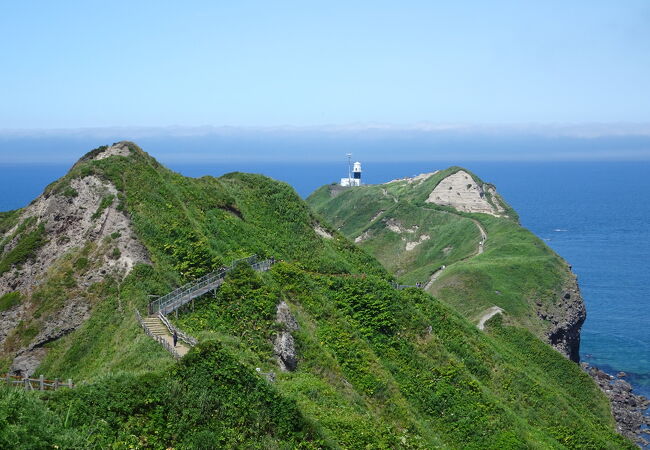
<point>456,144</point>
<point>467,81</point>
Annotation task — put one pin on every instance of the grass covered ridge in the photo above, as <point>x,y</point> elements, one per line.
<point>515,272</point>
<point>377,367</point>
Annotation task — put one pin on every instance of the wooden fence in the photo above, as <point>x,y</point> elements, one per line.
<point>36,384</point>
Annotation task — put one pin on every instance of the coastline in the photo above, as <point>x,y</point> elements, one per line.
<point>631,411</point>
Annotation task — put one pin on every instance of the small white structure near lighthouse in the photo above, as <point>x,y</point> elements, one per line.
<point>354,173</point>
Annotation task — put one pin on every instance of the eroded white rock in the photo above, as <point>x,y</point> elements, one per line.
<point>462,192</point>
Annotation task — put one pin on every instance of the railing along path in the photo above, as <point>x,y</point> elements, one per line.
<point>188,292</point>
<point>156,337</point>
<point>35,384</point>
<point>181,296</point>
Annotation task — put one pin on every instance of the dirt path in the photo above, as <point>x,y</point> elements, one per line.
<point>487,315</point>
<point>481,243</point>
<point>481,247</point>
<point>434,277</point>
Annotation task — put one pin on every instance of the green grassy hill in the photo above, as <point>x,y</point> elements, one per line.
<point>376,367</point>
<point>414,239</point>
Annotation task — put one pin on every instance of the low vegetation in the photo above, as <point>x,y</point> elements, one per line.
<point>515,272</point>
<point>29,240</point>
<point>9,300</point>
<point>377,367</point>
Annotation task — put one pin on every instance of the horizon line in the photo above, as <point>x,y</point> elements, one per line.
<point>550,129</point>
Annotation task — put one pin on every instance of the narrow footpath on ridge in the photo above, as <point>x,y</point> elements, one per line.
<point>487,315</point>
<point>493,310</point>
<point>481,247</point>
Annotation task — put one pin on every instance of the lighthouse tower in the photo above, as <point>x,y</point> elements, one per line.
<point>354,173</point>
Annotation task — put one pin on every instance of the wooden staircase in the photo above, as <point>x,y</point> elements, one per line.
<point>155,328</point>
<point>158,327</point>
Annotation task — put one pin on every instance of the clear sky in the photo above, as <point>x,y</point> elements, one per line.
<point>70,64</point>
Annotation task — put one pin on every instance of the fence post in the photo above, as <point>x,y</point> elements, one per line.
<point>41,382</point>
<point>56,384</point>
<point>70,383</point>
<point>26,381</point>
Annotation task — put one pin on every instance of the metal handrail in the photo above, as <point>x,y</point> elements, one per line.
<point>184,294</point>
<point>189,340</point>
<point>155,337</point>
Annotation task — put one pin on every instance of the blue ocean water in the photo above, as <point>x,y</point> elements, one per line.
<point>595,214</point>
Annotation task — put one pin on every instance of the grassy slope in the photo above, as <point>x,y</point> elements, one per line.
<point>378,367</point>
<point>516,269</point>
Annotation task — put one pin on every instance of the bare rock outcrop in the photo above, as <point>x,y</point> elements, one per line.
<point>460,191</point>
<point>10,319</point>
<point>418,179</point>
<point>396,226</point>
<point>86,214</point>
<point>118,149</point>
<point>72,222</point>
<point>322,232</point>
<point>363,237</point>
<point>411,245</point>
<point>284,345</point>
<point>628,408</point>
<point>62,322</point>
<point>566,318</point>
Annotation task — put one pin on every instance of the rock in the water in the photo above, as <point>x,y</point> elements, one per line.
<point>627,408</point>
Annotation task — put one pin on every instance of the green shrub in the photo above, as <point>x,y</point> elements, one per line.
<point>70,192</point>
<point>9,300</point>
<point>105,202</point>
<point>81,263</point>
<point>25,422</point>
<point>26,248</point>
<point>208,399</point>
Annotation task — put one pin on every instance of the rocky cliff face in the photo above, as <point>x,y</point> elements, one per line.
<point>86,235</point>
<point>284,345</point>
<point>462,192</point>
<point>628,408</point>
<point>433,238</point>
<point>566,317</point>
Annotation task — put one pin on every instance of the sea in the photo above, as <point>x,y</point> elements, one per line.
<point>594,214</point>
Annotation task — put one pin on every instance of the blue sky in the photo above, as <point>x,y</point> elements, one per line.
<point>75,64</point>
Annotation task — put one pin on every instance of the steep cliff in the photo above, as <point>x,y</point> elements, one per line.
<point>321,351</point>
<point>84,236</point>
<point>453,233</point>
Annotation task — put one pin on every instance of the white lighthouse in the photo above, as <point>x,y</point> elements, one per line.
<point>354,173</point>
